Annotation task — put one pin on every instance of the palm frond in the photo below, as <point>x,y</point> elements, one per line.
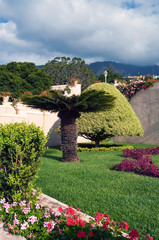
<point>54,101</point>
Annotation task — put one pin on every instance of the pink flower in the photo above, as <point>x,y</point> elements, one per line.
<point>15,221</point>
<point>11,227</point>
<point>6,206</point>
<point>14,204</point>
<point>47,214</point>
<point>32,219</point>
<point>2,200</point>
<point>81,234</point>
<point>49,225</point>
<point>57,214</point>
<point>22,203</point>
<point>26,210</point>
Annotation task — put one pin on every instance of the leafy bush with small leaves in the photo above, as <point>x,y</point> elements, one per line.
<point>103,149</point>
<point>21,146</point>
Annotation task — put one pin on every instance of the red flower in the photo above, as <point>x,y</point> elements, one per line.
<point>105,225</point>
<point>125,225</point>
<point>60,209</point>
<point>133,234</point>
<point>70,221</point>
<point>98,217</point>
<point>81,234</point>
<point>90,234</point>
<point>82,223</point>
<point>70,211</point>
<point>148,237</point>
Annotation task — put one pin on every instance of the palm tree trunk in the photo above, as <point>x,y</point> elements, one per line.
<point>97,141</point>
<point>69,136</point>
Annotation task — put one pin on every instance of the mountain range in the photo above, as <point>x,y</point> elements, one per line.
<point>123,69</point>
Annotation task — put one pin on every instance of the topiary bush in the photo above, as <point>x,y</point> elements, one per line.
<point>21,146</point>
<point>121,120</point>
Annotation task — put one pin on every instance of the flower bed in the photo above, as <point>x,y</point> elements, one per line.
<point>139,161</point>
<point>33,221</point>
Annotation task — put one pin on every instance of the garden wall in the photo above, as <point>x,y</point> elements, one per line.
<point>146,106</point>
<point>46,120</point>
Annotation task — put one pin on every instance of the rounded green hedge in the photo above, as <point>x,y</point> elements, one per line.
<point>21,146</point>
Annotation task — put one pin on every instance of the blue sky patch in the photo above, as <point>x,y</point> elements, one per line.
<point>130,4</point>
<point>3,20</point>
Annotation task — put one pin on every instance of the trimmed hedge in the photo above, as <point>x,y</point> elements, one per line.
<point>103,149</point>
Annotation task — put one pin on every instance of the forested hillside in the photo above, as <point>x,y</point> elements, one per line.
<point>124,69</point>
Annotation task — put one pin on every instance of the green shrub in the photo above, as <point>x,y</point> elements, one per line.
<point>21,146</point>
<point>103,149</point>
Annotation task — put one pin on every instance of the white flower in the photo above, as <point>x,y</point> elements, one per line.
<point>24,225</point>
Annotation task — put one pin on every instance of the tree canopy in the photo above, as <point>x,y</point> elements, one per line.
<point>62,69</point>
<point>69,109</point>
<point>119,121</point>
<point>20,77</point>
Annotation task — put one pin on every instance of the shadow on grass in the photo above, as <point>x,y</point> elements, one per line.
<point>53,157</point>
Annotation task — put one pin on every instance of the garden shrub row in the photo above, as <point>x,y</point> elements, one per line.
<point>139,161</point>
<point>103,149</point>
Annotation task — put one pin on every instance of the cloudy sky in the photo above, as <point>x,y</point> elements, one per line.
<point>94,30</point>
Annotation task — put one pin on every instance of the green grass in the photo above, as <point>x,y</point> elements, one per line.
<point>92,186</point>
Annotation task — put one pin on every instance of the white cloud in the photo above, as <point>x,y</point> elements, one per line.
<point>91,29</point>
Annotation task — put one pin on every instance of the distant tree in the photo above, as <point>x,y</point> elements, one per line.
<point>110,76</point>
<point>117,76</point>
<point>118,121</point>
<point>102,78</point>
<point>69,109</point>
<point>20,77</point>
<point>62,69</point>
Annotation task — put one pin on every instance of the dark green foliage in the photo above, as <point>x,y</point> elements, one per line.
<point>21,147</point>
<point>54,101</point>
<point>62,69</point>
<point>20,77</point>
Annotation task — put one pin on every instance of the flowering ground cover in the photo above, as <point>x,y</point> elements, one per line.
<point>93,187</point>
<point>31,220</point>
<point>139,161</point>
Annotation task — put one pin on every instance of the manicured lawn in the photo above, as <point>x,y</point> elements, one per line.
<point>92,186</point>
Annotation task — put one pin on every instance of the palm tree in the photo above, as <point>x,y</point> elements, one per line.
<point>69,109</point>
